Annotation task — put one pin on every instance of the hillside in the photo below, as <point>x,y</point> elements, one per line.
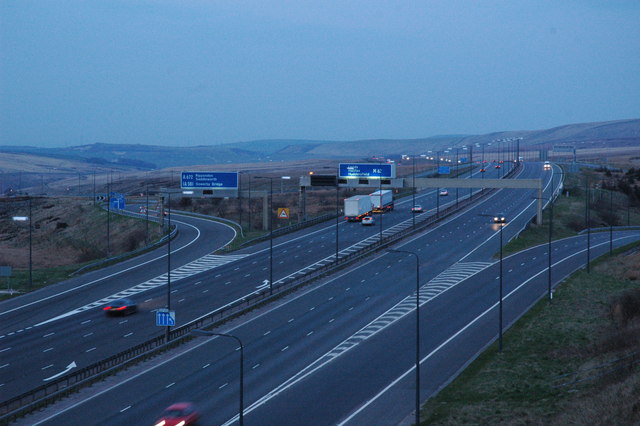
<point>102,156</point>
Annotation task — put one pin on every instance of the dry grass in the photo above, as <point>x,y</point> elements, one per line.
<point>65,231</point>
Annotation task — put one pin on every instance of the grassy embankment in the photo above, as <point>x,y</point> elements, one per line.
<point>558,362</point>
<point>66,234</point>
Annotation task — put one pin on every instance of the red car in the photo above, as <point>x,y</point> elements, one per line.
<point>179,414</point>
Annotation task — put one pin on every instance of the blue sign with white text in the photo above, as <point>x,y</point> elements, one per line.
<point>444,170</point>
<point>367,170</point>
<point>209,180</point>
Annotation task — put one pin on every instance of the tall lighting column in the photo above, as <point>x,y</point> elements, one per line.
<point>414,189</point>
<point>500,321</point>
<point>380,198</point>
<point>417,393</point>
<point>270,230</point>
<point>30,247</point>
<point>168,329</point>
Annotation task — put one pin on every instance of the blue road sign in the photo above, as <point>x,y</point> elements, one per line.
<point>209,180</point>
<point>117,201</point>
<point>444,170</point>
<point>165,318</point>
<point>367,170</point>
<point>463,159</point>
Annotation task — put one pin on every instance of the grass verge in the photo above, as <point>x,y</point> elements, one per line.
<point>527,382</point>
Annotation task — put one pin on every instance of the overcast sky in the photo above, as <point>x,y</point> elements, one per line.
<point>194,72</point>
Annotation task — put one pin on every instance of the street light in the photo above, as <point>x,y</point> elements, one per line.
<point>501,226</point>
<point>549,294</point>
<point>414,189</point>
<point>337,183</point>
<point>24,219</point>
<point>587,220</point>
<point>270,230</point>
<point>417,394</point>
<point>199,332</point>
<point>168,329</point>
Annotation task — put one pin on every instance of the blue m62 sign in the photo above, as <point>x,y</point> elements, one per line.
<point>209,180</point>
<point>368,170</point>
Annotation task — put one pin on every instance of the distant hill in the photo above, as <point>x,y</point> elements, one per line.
<point>149,157</point>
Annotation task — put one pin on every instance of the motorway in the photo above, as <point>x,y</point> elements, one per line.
<point>63,325</point>
<point>319,355</point>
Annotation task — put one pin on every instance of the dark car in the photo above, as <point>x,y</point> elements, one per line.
<point>181,413</point>
<point>499,218</point>
<point>121,307</point>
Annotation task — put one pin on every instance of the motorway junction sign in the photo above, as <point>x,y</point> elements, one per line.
<point>367,170</point>
<point>209,180</point>
<point>212,184</point>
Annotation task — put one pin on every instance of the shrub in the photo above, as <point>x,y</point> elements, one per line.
<point>625,308</point>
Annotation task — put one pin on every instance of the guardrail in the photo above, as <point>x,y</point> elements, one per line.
<point>71,382</point>
<point>125,255</point>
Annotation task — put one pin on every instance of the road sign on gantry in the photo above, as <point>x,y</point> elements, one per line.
<point>367,170</point>
<point>209,180</point>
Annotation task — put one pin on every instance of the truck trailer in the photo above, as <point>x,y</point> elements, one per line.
<point>382,200</point>
<point>357,207</point>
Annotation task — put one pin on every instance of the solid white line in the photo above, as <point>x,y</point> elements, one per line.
<point>103,278</point>
<point>511,293</point>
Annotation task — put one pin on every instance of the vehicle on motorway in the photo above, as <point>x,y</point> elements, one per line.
<point>121,307</point>
<point>357,207</point>
<point>482,170</point>
<point>382,200</point>
<point>368,221</point>
<point>546,166</point>
<point>416,209</point>
<point>179,414</point>
<point>499,218</point>
<point>444,192</point>
<point>497,166</point>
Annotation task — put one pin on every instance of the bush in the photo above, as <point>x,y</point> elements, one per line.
<point>625,308</point>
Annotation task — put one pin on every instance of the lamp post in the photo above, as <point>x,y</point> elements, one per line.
<point>198,332</point>
<point>270,230</point>
<point>417,393</point>
<point>414,189</point>
<point>24,219</point>
<point>457,175</point>
<point>549,294</point>
<point>610,221</point>
<point>471,170</point>
<point>168,329</point>
<point>500,321</point>
<point>337,184</point>
<point>380,198</point>
<point>337,211</point>
<point>108,217</point>
<point>587,220</point>
<point>438,191</point>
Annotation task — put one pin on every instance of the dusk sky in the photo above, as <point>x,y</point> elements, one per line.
<point>195,72</point>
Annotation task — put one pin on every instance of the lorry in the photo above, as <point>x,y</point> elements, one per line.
<point>382,200</point>
<point>357,207</point>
